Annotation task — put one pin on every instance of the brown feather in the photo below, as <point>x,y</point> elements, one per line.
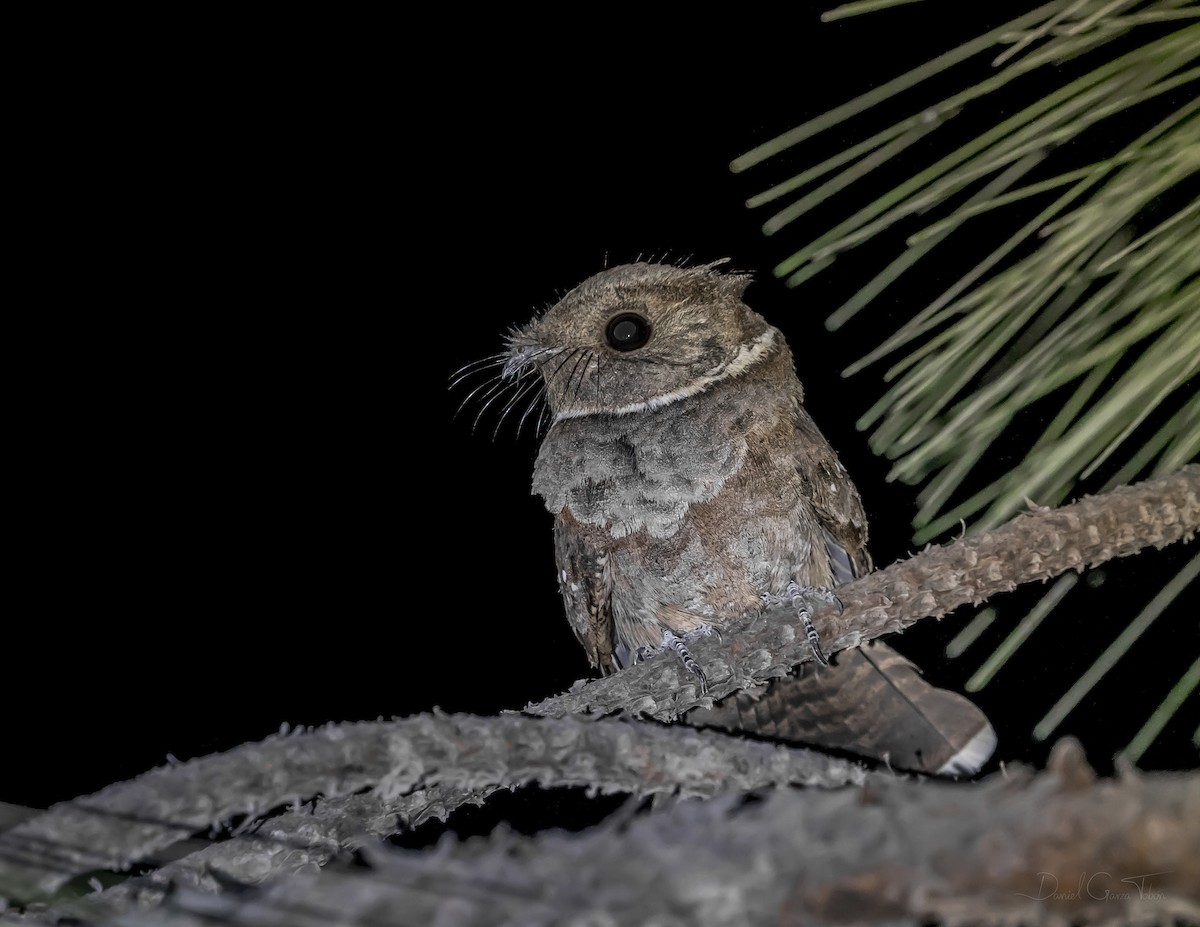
<point>870,701</point>
<point>585,581</point>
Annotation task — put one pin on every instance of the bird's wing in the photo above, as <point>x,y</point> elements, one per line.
<point>585,580</point>
<point>871,700</point>
<point>838,507</point>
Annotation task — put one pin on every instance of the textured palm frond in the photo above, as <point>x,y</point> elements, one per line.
<point>1088,312</point>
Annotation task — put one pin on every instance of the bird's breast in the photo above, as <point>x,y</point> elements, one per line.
<point>641,472</point>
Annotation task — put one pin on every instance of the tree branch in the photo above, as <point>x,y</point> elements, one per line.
<point>1034,546</point>
<point>466,755</point>
<point>1055,849</point>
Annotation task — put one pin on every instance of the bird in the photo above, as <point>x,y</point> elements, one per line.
<point>689,486</point>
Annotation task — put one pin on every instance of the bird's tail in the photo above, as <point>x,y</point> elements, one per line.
<point>870,701</point>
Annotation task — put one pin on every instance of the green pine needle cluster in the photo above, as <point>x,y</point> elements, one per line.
<point>1090,309</point>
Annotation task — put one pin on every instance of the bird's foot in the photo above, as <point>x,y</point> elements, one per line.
<point>806,599</point>
<point>672,641</point>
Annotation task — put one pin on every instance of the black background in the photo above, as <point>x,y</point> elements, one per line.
<point>243,498</point>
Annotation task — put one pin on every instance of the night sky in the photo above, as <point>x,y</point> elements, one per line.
<point>245,497</point>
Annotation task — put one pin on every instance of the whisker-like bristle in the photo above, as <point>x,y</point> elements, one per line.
<point>521,377</point>
<point>567,390</point>
<point>460,378</point>
<point>489,361</point>
<point>519,380</point>
<point>538,396</point>
<point>493,382</point>
<point>557,370</point>
<point>519,364</point>
<point>491,397</point>
<point>562,363</point>
<point>518,395</point>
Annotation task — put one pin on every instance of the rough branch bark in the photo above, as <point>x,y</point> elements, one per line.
<point>289,843</point>
<point>1056,849</point>
<point>1033,546</point>
<point>468,755</point>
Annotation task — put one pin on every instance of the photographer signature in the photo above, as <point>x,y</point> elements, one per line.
<point>1099,886</point>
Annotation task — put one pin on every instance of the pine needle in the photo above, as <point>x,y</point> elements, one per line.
<point>1166,710</point>
<point>1117,649</point>
<point>1021,633</point>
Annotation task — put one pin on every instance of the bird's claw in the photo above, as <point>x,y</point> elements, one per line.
<point>805,599</point>
<point>671,641</point>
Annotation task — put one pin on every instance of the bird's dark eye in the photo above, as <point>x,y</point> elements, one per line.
<point>627,331</point>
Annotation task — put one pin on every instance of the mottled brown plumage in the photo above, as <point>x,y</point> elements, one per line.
<point>687,480</point>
